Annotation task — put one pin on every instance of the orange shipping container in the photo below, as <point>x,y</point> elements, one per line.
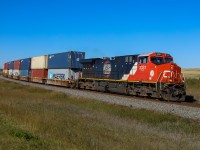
<point>16,64</point>
<point>6,66</point>
<point>39,73</point>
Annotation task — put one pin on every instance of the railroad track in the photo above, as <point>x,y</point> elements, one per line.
<point>190,102</point>
<point>189,109</point>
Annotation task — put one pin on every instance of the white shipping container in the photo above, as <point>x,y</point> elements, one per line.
<point>39,62</point>
<point>16,72</point>
<point>62,74</point>
<point>10,72</point>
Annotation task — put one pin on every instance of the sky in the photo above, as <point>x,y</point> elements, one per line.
<point>101,28</point>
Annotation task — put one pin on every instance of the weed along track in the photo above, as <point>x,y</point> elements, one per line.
<point>183,109</point>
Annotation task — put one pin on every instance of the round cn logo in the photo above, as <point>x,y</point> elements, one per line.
<point>152,73</point>
<point>107,69</point>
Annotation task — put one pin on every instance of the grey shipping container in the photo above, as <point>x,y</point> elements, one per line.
<point>25,64</point>
<point>63,74</point>
<point>65,60</point>
<point>11,64</point>
<point>24,73</point>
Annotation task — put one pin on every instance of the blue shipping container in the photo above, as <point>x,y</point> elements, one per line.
<point>25,64</point>
<point>24,73</point>
<point>75,59</point>
<point>58,61</point>
<point>65,60</point>
<point>11,64</point>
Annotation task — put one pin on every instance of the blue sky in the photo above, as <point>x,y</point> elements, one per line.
<point>100,28</point>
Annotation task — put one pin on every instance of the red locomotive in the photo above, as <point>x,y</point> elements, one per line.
<point>152,75</point>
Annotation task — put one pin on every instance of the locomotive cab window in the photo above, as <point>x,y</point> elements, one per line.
<point>130,59</point>
<point>143,60</point>
<point>126,59</point>
<point>157,60</point>
<point>168,60</point>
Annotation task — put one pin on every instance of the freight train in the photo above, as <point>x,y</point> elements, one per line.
<point>147,75</point>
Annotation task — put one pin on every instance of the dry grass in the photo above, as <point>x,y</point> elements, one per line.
<point>193,88</point>
<point>193,82</point>
<point>33,118</point>
<point>192,73</point>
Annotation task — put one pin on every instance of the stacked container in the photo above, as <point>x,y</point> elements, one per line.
<point>11,67</point>
<point>25,68</point>
<point>6,69</point>
<point>39,70</point>
<point>64,67</point>
<point>16,71</point>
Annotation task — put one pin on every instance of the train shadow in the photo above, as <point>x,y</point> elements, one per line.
<point>190,99</point>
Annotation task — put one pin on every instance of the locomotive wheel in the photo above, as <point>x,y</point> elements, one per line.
<point>72,85</point>
<point>170,94</point>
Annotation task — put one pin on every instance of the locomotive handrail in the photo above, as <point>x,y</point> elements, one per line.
<point>158,80</point>
<point>159,76</point>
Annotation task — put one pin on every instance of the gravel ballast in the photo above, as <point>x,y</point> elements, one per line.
<point>182,111</point>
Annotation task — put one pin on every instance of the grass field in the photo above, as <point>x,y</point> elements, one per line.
<point>33,118</point>
<point>193,82</point>
<point>192,73</point>
<point>193,88</point>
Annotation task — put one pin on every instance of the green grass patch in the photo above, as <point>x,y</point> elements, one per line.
<point>12,136</point>
<point>164,121</point>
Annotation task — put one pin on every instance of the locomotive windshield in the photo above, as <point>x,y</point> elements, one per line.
<point>160,60</point>
<point>168,60</point>
<point>157,60</point>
